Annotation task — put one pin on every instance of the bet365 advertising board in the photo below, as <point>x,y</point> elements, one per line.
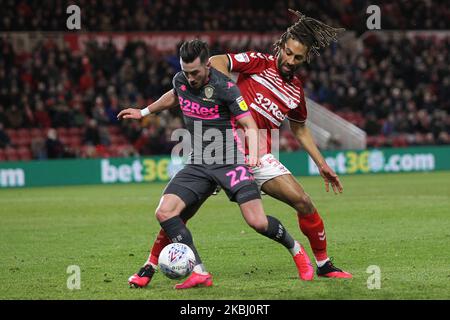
<point>161,168</point>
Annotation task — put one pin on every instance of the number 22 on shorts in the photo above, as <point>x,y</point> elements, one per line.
<point>237,175</point>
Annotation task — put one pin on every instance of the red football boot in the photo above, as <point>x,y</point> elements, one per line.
<point>304,266</point>
<point>328,270</point>
<point>142,278</point>
<point>196,280</point>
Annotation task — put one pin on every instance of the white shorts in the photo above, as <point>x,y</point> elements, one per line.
<point>270,168</point>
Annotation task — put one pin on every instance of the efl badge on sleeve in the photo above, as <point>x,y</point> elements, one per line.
<point>242,104</point>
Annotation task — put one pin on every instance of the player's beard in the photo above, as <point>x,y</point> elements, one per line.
<point>287,74</point>
<point>200,82</point>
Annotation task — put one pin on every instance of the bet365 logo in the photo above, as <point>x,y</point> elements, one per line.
<point>142,170</point>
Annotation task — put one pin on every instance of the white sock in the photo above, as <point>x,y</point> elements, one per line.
<point>200,268</point>
<point>321,263</point>
<point>296,249</point>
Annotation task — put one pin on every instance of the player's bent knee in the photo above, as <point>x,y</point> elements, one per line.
<point>304,204</point>
<point>260,228</point>
<point>258,224</point>
<point>163,214</point>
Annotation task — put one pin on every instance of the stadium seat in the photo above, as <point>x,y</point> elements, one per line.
<point>11,154</point>
<point>74,141</point>
<point>114,151</point>
<point>22,141</point>
<point>23,133</point>
<point>37,132</point>
<point>88,151</point>
<point>75,131</point>
<point>118,150</point>
<point>114,130</point>
<point>102,151</point>
<point>62,132</point>
<point>24,154</point>
<point>118,139</point>
<point>372,141</point>
<point>64,139</point>
<point>400,141</point>
<point>12,134</point>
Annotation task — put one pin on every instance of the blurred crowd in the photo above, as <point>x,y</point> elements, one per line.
<point>397,88</point>
<point>57,103</point>
<point>231,15</point>
<point>53,88</point>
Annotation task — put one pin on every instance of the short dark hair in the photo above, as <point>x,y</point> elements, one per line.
<point>190,50</point>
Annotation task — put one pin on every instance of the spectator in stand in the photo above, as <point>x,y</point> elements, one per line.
<point>443,138</point>
<point>372,126</point>
<point>3,117</point>
<point>142,143</point>
<point>79,118</point>
<point>38,148</point>
<point>29,120</point>
<point>113,109</point>
<point>132,130</point>
<point>160,15</point>
<point>105,139</point>
<point>99,113</point>
<point>388,127</point>
<point>41,115</point>
<point>54,147</point>
<point>61,115</point>
<point>5,140</point>
<point>14,118</point>
<point>92,134</point>
<point>396,85</point>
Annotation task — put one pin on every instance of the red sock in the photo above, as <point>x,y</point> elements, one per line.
<point>161,241</point>
<point>312,227</point>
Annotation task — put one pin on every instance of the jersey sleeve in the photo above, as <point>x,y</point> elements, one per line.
<point>248,62</point>
<point>178,83</point>
<point>174,84</point>
<point>300,113</point>
<point>233,99</point>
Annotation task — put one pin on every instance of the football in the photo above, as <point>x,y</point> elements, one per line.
<point>176,260</point>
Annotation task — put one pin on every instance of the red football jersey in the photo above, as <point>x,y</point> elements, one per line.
<point>271,99</point>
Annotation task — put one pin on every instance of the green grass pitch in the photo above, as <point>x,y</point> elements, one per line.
<point>400,223</point>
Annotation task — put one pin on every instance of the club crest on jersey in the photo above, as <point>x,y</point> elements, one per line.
<point>292,104</point>
<point>242,57</point>
<point>241,102</point>
<point>209,91</point>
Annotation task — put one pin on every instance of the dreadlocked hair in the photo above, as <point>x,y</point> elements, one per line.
<point>311,32</point>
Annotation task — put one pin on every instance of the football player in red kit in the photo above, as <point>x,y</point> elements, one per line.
<point>273,91</point>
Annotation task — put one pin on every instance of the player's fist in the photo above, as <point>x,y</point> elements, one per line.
<point>130,113</point>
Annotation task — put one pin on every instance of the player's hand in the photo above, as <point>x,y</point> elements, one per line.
<point>330,177</point>
<point>253,161</point>
<point>130,113</point>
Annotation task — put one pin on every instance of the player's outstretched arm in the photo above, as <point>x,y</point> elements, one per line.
<point>304,136</point>
<point>221,63</point>
<point>166,101</point>
<point>251,133</point>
